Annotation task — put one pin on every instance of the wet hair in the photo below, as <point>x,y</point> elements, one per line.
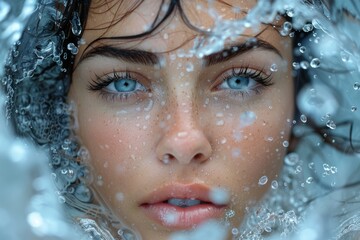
<point>38,77</point>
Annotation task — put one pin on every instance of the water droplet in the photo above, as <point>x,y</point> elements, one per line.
<point>263,180</point>
<point>309,180</point>
<point>331,124</point>
<point>119,196</point>
<point>219,195</point>
<point>285,144</point>
<point>76,24</point>
<point>220,122</point>
<point>302,49</point>
<point>303,118</point>
<point>304,64</point>
<point>315,63</point>
<point>291,159</point>
<point>247,118</point>
<point>72,48</point>
<point>166,36</point>
<point>356,86</point>
<point>234,231</point>
<point>236,153</point>
<point>344,56</point>
<point>353,108</point>
<point>182,134</point>
<point>308,27</point>
<point>166,159</point>
<point>223,140</point>
<point>274,184</point>
<point>296,65</point>
<point>189,67</point>
<point>274,67</point>
<point>290,12</point>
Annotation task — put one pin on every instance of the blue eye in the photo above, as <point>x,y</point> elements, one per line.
<point>244,81</point>
<point>118,86</point>
<point>238,82</point>
<point>122,83</point>
<point>125,85</point>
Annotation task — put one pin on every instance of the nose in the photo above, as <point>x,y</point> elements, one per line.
<point>184,141</point>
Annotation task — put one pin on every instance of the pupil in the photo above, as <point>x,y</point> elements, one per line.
<point>125,85</point>
<point>238,82</point>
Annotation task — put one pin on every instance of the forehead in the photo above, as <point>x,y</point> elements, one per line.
<point>110,18</point>
<point>132,17</point>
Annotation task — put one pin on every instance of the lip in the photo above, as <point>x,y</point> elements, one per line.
<point>155,207</point>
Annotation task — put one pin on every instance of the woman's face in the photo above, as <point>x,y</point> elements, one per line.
<point>174,139</point>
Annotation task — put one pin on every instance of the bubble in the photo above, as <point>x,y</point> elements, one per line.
<point>304,65</point>
<point>274,184</point>
<point>291,159</point>
<point>290,12</point>
<point>76,24</point>
<point>286,28</point>
<point>220,196</point>
<point>274,67</point>
<point>72,48</point>
<point>309,180</point>
<point>263,180</point>
<point>83,193</point>
<point>308,27</point>
<point>315,63</point>
<point>234,231</point>
<point>303,118</point>
<point>331,124</point>
<point>353,108</point>
<point>302,49</point>
<point>285,144</point>
<point>356,86</point>
<point>345,57</point>
<point>296,65</point>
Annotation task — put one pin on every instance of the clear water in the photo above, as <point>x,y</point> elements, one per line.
<point>297,206</point>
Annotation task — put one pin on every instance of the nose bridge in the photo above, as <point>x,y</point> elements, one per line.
<point>184,139</point>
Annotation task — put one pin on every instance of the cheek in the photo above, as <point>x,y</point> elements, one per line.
<point>118,147</point>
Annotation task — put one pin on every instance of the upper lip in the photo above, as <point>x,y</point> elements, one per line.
<point>184,191</point>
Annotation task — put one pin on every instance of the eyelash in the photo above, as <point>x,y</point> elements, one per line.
<point>262,81</point>
<point>100,83</point>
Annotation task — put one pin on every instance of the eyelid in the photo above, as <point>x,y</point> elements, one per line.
<point>100,82</point>
<point>245,70</point>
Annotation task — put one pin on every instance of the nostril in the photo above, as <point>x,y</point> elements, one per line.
<point>167,158</point>
<point>198,156</point>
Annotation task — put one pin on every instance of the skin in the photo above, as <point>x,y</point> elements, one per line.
<point>186,117</point>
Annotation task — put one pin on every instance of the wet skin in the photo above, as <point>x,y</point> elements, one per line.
<point>179,123</point>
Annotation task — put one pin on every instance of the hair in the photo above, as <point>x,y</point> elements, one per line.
<point>38,74</point>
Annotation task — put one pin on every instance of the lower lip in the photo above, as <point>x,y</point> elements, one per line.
<point>182,218</point>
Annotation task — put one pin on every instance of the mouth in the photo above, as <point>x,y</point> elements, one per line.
<point>181,206</point>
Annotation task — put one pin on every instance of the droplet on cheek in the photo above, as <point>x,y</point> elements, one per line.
<point>219,196</point>
<point>119,196</point>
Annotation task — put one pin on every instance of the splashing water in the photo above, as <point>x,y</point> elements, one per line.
<point>37,213</point>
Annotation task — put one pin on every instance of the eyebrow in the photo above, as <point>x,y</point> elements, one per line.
<point>142,57</point>
<point>239,49</point>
